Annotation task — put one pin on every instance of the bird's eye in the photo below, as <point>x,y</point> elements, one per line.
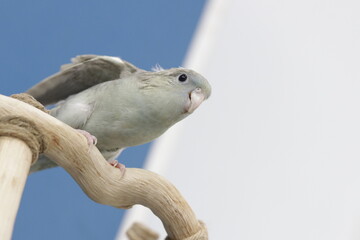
<point>182,77</point>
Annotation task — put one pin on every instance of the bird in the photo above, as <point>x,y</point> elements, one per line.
<point>115,104</point>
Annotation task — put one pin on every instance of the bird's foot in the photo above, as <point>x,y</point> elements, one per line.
<point>116,164</point>
<point>91,140</point>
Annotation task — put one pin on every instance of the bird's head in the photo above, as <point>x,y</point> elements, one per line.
<point>179,87</point>
<point>190,85</point>
<point>196,87</point>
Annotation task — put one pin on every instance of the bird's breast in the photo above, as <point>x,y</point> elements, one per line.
<point>125,128</point>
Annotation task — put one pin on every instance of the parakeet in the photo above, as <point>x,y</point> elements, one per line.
<point>118,103</point>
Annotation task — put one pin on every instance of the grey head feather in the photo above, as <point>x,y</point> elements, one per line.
<point>84,72</point>
<point>157,68</point>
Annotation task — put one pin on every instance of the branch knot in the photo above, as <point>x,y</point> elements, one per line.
<point>25,130</point>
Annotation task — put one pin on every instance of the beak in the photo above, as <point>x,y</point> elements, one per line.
<point>196,97</point>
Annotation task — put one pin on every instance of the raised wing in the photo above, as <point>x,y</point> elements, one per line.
<point>84,72</point>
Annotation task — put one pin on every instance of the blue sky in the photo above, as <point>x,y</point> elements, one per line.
<point>36,38</point>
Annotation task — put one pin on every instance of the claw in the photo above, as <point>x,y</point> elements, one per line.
<point>116,164</point>
<point>91,140</point>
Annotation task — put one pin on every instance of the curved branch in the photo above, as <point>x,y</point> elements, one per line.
<point>105,184</point>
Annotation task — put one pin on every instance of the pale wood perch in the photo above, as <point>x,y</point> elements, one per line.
<point>100,181</point>
<point>138,232</point>
<point>15,161</point>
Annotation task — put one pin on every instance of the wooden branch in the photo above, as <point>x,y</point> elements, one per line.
<point>105,184</point>
<point>15,161</point>
<point>139,231</point>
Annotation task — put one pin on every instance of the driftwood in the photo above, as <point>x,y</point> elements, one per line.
<point>100,181</point>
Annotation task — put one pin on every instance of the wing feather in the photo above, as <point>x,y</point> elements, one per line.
<point>84,72</point>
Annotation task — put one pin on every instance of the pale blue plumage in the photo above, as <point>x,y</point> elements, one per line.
<point>133,109</point>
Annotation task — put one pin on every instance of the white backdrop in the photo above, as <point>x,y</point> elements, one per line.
<point>275,152</point>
